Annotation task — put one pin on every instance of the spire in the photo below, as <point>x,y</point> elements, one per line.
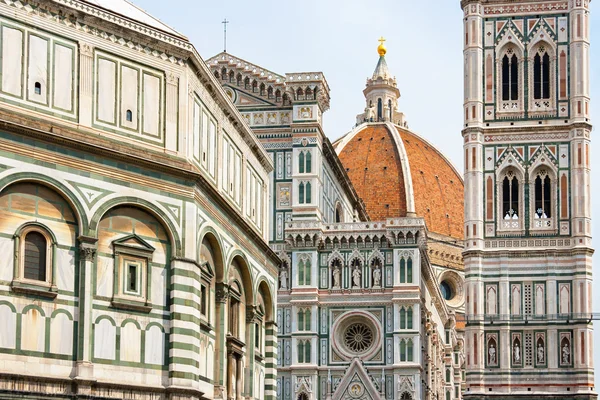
<point>381,70</point>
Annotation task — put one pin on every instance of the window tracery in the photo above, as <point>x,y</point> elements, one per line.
<point>542,79</point>
<point>510,199</point>
<point>509,80</point>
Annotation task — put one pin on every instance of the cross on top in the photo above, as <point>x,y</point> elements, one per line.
<point>381,40</point>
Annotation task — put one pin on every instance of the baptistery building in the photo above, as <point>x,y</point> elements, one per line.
<point>130,267</point>
<point>369,230</point>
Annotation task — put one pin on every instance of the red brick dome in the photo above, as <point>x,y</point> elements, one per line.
<point>397,173</point>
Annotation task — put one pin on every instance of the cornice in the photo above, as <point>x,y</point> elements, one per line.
<point>90,142</point>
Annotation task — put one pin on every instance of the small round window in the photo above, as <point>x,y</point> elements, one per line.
<point>447,291</point>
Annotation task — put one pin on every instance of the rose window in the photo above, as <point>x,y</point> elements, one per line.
<point>358,337</point>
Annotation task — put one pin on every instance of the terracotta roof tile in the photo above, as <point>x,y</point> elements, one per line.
<point>372,160</point>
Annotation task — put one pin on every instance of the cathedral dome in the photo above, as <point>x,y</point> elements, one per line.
<point>397,173</point>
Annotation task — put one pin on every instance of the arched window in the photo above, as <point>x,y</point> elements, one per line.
<point>37,88</point>
<point>406,318</point>
<point>338,213</point>
<point>301,193</point>
<point>541,74</point>
<point>304,271</point>
<point>510,196</point>
<point>35,256</point>
<point>390,110</point>
<point>308,193</point>
<point>304,316</point>
<point>403,350</point>
<point>409,271</point>
<point>379,110</point>
<point>409,350</point>
<point>402,270</point>
<point>301,162</point>
<point>308,162</point>
<point>510,76</point>
<point>303,351</point>
<point>129,116</point>
<point>542,195</point>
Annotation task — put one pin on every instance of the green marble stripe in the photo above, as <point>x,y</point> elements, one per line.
<point>185,346</point>
<point>183,375</point>
<point>183,361</point>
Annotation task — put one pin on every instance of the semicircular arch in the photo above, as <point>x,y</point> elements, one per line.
<point>145,205</point>
<point>55,185</point>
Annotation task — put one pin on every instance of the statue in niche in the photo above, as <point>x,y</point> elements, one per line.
<point>377,276</point>
<point>356,277</point>
<point>566,354</point>
<point>516,353</point>
<point>283,279</point>
<point>336,277</point>
<point>492,353</point>
<point>370,113</point>
<point>540,353</point>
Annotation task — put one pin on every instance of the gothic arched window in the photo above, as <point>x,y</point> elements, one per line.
<point>510,76</point>
<point>304,272</point>
<point>301,162</point>
<point>301,193</point>
<point>542,195</point>
<point>541,74</point>
<point>406,318</point>
<point>510,196</point>
<point>390,109</point>
<point>379,110</point>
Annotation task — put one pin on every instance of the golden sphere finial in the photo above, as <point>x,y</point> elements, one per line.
<point>381,49</point>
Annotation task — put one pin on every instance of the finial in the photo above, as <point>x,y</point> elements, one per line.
<point>381,48</point>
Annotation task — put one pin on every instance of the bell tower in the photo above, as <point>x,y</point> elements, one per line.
<point>381,94</point>
<point>527,254</point>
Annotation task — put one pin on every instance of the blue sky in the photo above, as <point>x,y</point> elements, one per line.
<point>339,38</point>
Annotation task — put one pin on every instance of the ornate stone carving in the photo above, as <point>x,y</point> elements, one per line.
<point>86,49</point>
<point>221,292</point>
<point>86,252</point>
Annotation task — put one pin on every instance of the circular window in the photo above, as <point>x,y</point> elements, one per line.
<point>447,291</point>
<point>356,333</point>
<point>358,337</point>
<point>452,288</point>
